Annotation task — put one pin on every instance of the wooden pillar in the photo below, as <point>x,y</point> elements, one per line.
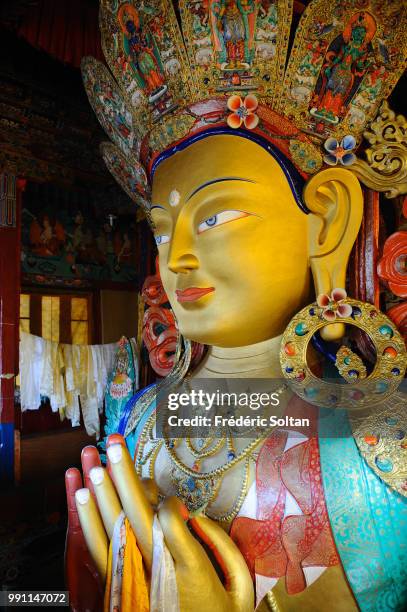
<point>11,189</point>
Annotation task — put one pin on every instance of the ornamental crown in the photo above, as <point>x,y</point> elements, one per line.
<point>213,66</point>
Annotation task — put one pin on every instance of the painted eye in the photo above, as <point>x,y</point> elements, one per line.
<point>162,239</point>
<point>223,217</point>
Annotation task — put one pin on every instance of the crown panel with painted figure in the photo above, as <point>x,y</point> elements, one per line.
<point>347,56</point>
<point>345,59</point>
<point>109,103</point>
<point>237,46</point>
<point>144,50</point>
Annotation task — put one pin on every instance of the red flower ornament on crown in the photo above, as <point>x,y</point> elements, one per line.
<point>333,305</point>
<point>243,112</point>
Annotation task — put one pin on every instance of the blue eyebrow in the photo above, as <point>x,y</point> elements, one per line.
<point>219,180</point>
<point>158,206</point>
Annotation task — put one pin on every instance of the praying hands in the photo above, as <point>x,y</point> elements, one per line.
<point>190,542</point>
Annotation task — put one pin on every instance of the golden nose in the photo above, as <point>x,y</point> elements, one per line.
<point>183,263</point>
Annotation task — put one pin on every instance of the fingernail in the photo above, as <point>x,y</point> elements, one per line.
<point>114,453</point>
<point>82,496</point>
<point>97,475</point>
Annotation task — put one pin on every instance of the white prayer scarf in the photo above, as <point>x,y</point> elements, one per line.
<point>118,546</point>
<point>163,587</point>
<point>72,376</point>
<point>31,365</point>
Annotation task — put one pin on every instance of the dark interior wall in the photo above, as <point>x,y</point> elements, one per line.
<point>50,137</point>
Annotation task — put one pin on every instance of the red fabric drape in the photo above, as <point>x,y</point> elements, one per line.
<point>67,30</point>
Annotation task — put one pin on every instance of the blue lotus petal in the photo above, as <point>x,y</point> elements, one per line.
<point>331,144</point>
<point>348,159</point>
<point>331,160</point>
<point>348,142</point>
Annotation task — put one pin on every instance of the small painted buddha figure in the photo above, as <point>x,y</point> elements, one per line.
<point>141,50</point>
<point>249,227</point>
<point>344,66</point>
<point>232,28</point>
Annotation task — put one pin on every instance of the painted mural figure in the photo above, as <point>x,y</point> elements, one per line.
<point>233,19</point>
<point>344,68</point>
<point>46,238</point>
<point>141,49</point>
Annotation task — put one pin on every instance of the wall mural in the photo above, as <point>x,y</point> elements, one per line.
<point>67,239</point>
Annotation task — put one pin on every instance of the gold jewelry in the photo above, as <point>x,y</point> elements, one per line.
<point>197,489</point>
<point>391,354</point>
<point>207,450</point>
<point>210,447</point>
<point>215,472</point>
<point>347,362</point>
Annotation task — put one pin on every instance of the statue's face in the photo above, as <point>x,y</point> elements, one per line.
<point>232,242</point>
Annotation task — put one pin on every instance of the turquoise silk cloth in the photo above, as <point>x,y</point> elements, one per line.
<point>132,438</point>
<point>368,519</point>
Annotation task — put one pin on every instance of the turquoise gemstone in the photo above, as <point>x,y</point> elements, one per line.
<point>301,329</point>
<point>346,361</point>
<point>381,387</point>
<point>384,464</point>
<point>386,331</point>
<point>391,421</point>
<point>311,391</point>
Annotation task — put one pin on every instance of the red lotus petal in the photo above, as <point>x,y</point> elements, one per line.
<point>234,103</point>
<point>338,294</point>
<point>251,121</point>
<point>155,318</point>
<point>153,291</point>
<point>329,315</point>
<point>234,121</point>
<point>344,310</point>
<point>391,267</point>
<point>250,102</point>
<point>323,300</point>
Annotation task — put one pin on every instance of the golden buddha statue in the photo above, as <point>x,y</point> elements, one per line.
<point>249,226</point>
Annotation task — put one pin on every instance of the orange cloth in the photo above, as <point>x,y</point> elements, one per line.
<point>134,587</point>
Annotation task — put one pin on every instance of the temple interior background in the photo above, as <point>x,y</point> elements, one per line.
<point>78,261</point>
<point>75,256</point>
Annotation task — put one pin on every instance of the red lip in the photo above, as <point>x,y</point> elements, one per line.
<point>192,293</point>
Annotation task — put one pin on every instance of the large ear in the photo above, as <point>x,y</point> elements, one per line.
<point>335,199</point>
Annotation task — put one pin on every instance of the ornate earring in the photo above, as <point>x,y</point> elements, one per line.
<point>362,389</point>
